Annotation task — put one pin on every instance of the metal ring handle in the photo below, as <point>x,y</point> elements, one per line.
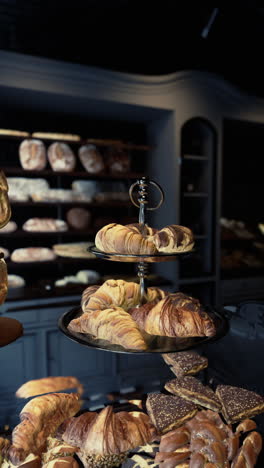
<point>148,208</point>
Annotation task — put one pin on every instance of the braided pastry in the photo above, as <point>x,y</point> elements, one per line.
<point>248,453</point>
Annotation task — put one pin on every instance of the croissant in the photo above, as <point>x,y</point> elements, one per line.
<point>106,437</point>
<point>3,281</point>
<point>115,238</point>
<point>117,293</point>
<point>114,325</point>
<point>59,454</point>
<point>177,315</point>
<point>47,385</point>
<point>5,209</point>
<point>174,238</point>
<point>40,418</point>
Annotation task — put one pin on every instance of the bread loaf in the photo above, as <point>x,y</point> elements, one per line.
<point>21,188</point>
<point>15,281</point>
<point>45,225</point>
<point>32,154</point>
<point>118,161</point>
<point>73,250</point>
<point>5,252</point>
<point>11,226</point>
<point>32,254</point>
<point>78,218</point>
<point>61,157</point>
<point>91,159</point>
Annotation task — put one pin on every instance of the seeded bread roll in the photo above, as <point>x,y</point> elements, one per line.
<point>61,157</point>
<point>91,159</point>
<point>32,155</point>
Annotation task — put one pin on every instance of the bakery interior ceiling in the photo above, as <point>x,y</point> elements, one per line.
<point>152,38</point>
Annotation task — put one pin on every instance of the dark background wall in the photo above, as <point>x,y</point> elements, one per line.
<point>141,37</point>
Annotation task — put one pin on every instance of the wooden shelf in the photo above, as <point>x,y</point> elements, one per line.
<point>54,204</point>
<point>18,171</point>
<point>50,263</point>
<point>84,141</point>
<point>193,157</point>
<point>195,194</point>
<point>20,233</point>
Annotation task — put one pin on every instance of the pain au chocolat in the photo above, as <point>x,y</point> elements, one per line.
<point>193,390</point>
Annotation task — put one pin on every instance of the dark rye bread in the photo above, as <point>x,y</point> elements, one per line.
<point>168,412</point>
<point>239,403</point>
<point>193,390</point>
<point>185,362</point>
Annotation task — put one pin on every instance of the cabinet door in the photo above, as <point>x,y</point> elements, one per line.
<point>65,357</point>
<point>149,370</point>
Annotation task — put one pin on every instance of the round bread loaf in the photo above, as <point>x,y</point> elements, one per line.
<point>10,330</point>
<point>78,218</point>
<point>11,226</point>
<point>91,159</point>
<point>45,225</point>
<point>61,157</point>
<point>15,281</point>
<point>32,155</point>
<point>118,161</point>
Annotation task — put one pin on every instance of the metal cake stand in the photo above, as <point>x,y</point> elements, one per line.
<point>155,344</point>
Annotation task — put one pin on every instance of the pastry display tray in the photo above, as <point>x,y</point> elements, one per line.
<point>156,344</point>
<point>148,258</point>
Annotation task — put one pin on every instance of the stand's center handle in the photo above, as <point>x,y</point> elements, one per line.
<point>142,199</point>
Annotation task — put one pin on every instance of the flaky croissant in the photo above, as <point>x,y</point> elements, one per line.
<point>114,325</point>
<point>113,293</point>
<point>173,239</point>
<point>115,238</point>
<point>5,209</point>
<point>177,315</point>
<point>117,293</point>
<point>40,418</point>
<point>48,385</point>
<point>3,281</point>
<point>107,434</point>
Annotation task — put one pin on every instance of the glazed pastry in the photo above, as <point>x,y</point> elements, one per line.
<point>239,403</point>
<point>177,315</point>
<point>40,418</point>
<point>168,412</point>
<point>105,438</point>
<point>61,157</point>
<point>114,325</point>
<point>185,362</point>
<point>5,209</point>
<point>193,390</point>
<point>32,155</point>
<point>48,385</point>
<point>91,159</point>
<point>174,238</point>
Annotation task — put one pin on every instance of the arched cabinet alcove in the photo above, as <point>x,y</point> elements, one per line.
<point>197,205</point>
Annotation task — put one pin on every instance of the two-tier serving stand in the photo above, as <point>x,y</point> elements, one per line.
<point>155,344</point>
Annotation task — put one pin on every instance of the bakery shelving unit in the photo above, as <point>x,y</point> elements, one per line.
<point>155,344</point>
<point>197,276</point>
<point>22,210</point>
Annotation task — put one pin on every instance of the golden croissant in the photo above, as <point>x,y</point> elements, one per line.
<point>3,281</point>
<point>114,325</point>
<point>40,418</point>
<point>107,434</point>
<point>48,385</point>
<point>177,315</point>
<point>140,239</point>
<point>5,209</point>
